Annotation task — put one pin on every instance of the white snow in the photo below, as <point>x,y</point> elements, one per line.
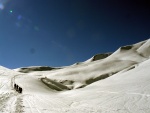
<point>118,83</point>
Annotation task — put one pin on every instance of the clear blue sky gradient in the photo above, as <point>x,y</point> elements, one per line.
<point>62,32</point>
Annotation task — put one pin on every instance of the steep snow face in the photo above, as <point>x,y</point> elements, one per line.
<point>89,72</point>
<point>136,77</point>
<point>130,52</point>
<point>144,50</point>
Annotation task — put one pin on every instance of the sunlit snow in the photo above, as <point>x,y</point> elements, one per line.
<point>106,83</point>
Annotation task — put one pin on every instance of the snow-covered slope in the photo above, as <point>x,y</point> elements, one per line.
<point>118,83</point>
<point>145,49</point>
<point>98,57</point>
<point>126,92</point>
<point>87,72</point>
<point>132,52</point>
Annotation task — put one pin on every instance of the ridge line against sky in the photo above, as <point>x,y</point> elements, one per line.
<point>62,32</point>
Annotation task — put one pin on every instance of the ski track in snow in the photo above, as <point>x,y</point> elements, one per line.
<point>7,102</point>
<point>131,103</point>
<point>55,105</point>
<point>30,103</point>
<point>10,100</point>
<point>140,94</point>
<point>29,99</point>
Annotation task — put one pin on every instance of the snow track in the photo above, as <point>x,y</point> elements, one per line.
<point>10,100</point>
<point>19,104</point>
<point>109,101</point>
<point>7,102</point>
<point>41,104</point>
<point>31,104</point>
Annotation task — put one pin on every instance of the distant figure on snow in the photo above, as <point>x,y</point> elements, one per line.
<point>20,90</point>
<point>15,86</point>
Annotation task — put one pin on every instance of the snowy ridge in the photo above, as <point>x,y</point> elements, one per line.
<point>118,83</point>
<point>88,72</point>
<point>98,57</point>
<point>145,49</point>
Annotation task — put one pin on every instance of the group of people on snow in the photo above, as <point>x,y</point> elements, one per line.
<point>17,88</point>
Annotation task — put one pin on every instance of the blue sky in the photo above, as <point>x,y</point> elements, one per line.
<point>62,32</point>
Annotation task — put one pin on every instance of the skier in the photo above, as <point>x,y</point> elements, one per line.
<point>20,90</point>
<point>15,86</point>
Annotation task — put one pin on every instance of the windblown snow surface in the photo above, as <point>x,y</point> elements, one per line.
<point>106,83</point>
